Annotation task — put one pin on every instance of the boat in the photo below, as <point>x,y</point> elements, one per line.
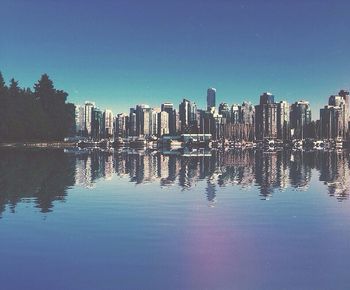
<point>86,144</point>
<point>249,145</point>
<point>269,144</point>
<point>339,143</point>
<point>138,143</point>
<point>298,144</point>
<point>175,144</point>
<point>152,145</point>
<point>319,144</point>
<point>119,142</point>
<point>102,144</point>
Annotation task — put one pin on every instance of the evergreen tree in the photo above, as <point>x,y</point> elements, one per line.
<point>3,102</point>
<point>39,115</point>
<point>13,90</point>
<point>3,87</point>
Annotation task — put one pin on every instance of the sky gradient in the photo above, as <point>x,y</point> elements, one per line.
<point>120,53</point>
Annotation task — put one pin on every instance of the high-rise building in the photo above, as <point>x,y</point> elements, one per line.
<point>140,119</point>
<point>235,112</point>
<point>267,98</point>
<point>346,96</point>
<point>169,108</point>
<point>163,123</point>
<point>217,129</point>
<point>283,123</point>
<point>330,122</point>
<point>300,119</point>
<point>224,110</point>
<point>334,118</point>
<point>155,112</point>
<point>89,106</point>
<point>97,124</point>
<point>266,117</point>
<point>132,122</point>
<point>184,114</point>
<point>177,122</point>
<point>121,125</point>
<point>147,122</point>
<point>108,118</point>
<point>79,120</point>
<point>211,98</point>
<point>247,113</point>
<point>188,117</point>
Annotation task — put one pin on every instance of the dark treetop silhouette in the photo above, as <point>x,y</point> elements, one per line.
<point>39,115</point>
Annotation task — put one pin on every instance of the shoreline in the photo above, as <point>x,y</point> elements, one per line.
<point>49,144</point>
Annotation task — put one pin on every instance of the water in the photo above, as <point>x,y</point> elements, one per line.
<point>136,220</point>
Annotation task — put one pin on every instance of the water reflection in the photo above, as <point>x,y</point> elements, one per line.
<point>45,175</point>
<point>41,175</point>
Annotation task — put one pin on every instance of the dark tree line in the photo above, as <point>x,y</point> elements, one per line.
<point>41,114</point>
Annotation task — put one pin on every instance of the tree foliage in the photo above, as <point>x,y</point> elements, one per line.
<point>39,115</point>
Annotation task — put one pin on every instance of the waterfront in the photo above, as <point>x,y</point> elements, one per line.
<point>91,219</point>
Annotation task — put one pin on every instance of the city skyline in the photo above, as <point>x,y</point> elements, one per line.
<point>203,103</point>
<point>271,118</point>
<point>188,144</point>
<point>93,54</point>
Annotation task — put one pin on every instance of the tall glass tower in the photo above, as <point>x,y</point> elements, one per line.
<point>211,96</point>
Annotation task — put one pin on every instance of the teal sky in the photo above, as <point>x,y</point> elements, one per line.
<point>120,53</point>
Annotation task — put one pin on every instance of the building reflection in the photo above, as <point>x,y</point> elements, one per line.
<point>268,171</point>
<point>44,176</point>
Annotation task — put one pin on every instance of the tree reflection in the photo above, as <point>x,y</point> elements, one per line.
<point>44,176</point>
<point>41,175</point>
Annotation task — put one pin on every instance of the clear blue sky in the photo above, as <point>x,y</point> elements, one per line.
<point>120,53</point>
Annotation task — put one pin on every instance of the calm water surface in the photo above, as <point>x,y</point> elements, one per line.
<point>138,220</point>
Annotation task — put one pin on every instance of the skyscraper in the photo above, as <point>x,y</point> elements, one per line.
<point>140,119</point>
<point>79,120</point>
<point>188,116</point>
<point>247,120</point>
<point>155,114</point>
<point>132,123</point>
<point>334,118</point>
<point>211,98</point>
<point>346,96</point>
<point>89,106</point>
<point>108,118</point>
<point>147,122</point>
<point>283,123</point>
<point>300,119</point>
<point>247,113</point>
<point>97,124</point>
<point>266,117</point>
<point>169,108</point>
<point>235,110</point>
<point>163,123</point>
<point>267,98</point>
<point>121,125</point>
<point>224,110</point>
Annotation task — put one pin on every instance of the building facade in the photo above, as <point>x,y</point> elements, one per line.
<point>88,109</point>
<point>211,98</point>
<point>266,117</point>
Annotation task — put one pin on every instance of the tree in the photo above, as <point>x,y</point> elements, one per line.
<point>13,90</point>
<point>3,87</point>
<point>53,102</point>
<point>3,102</point>
<point>39,115</point>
